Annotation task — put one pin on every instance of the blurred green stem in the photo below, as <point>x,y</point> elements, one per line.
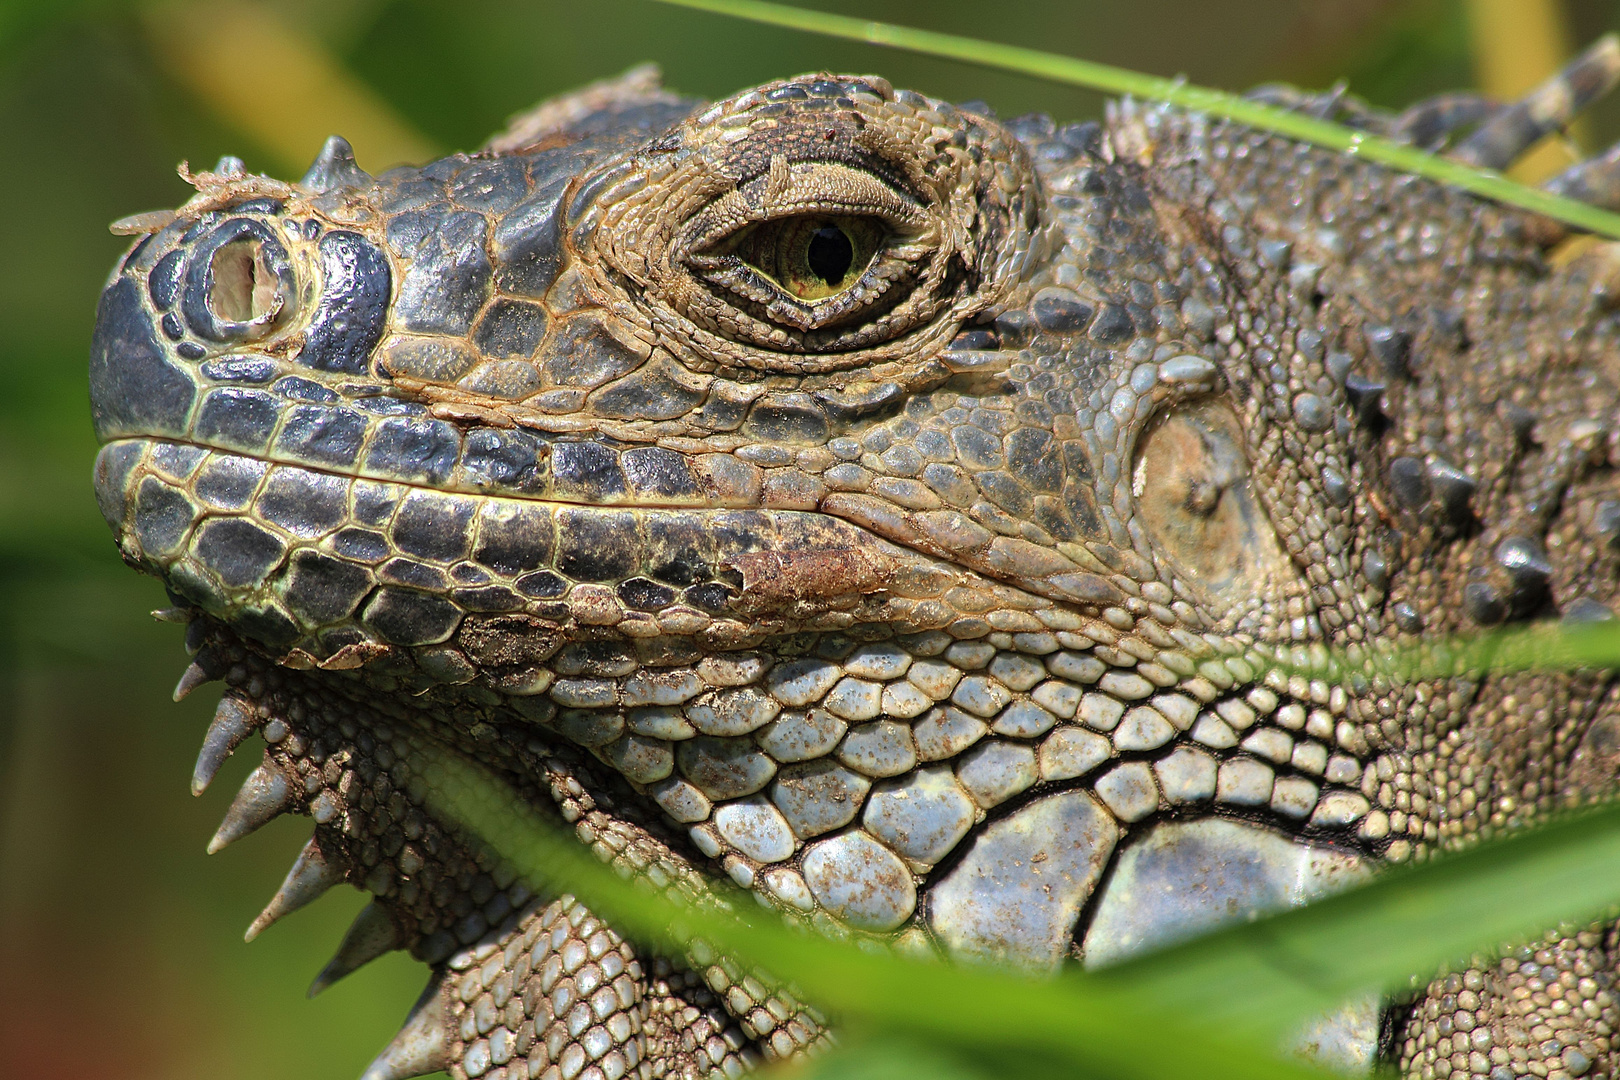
<point>1114,80</point>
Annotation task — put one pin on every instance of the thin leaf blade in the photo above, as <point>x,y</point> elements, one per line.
<point>1114,80</point>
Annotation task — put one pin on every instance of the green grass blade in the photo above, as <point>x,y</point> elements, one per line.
<point>892,1058</point>
<point>1083,1026</point>
<point>1200,1008</point>
<point>1115,80</point>
<point>1265,976</point>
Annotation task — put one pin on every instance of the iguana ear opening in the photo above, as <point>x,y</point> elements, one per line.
<point>1192,492</point>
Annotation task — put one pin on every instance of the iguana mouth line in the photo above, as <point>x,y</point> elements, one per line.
<point>420,485</point>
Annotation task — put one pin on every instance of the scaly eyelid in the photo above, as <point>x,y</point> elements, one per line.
<point>802,189</point>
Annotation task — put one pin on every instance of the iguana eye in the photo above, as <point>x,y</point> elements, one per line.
<point>1191,484</point>
<point>815,249</point>
<point>812,257</point>
<point>811,226</point>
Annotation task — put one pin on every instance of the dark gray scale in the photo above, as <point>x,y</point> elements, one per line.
<point>417,575</point>
<point>407,617</point>
<point>527,243</point>
<point>319,589</point>
<point>630,123</point>
<point>306,504</point>
<point>421,451</point>
<point>177,461</point>
<point>238,419</point>
<point>488,598</point>
<point>1366,398</point>
<point>510,329</point>
<point>586,472</point>
<point>361,545</point>
<point>268,623</point>
<point>134,388</point>
<point>439,359</point>
<point>1528,569</point>
<point>513,537</point>
<point>679,550</point>
<point>449,273</point>
<point>163,282</point>
<point>650,393</point>
<point>510,461</point>
<point>115,464</point>
<point>490,185</point>
<point>580,353</point>
<point>1455,489</point>
<point>228,481</point>
<point>645,595</point>
<point>1483,603</point>
<point>1409,482</point>
<point>318,435</point>
<point>1112,325</point>
<point>299,389</point>
<point>1059,310</point>
<point>597,545</point>
<point>1606,523</point>
<point>542,585</point>
<point>334,168</point>
<point>1392,349</point>
<point>163,518</point>
<point>652,473</point>
<point>434,526</point>
<point>238,551</point>
<point>349,318</point>
<point>865,401</point>
<point>251,370</point>
<point>374,503</point>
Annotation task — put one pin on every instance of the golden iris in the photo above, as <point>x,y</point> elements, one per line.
<point>814,256</point>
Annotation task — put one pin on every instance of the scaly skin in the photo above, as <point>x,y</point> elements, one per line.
<point>916,595</point>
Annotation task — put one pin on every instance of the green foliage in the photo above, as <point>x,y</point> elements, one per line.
<point>1114,80</point>
<point>1210,1007</point>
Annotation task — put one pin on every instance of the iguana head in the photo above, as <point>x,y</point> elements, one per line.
<point>890,509</point>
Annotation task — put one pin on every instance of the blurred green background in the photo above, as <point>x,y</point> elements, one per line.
<point>120,943</point>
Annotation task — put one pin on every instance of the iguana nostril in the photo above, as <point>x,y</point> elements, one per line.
<point>243,288</point>
<point>238,283</point>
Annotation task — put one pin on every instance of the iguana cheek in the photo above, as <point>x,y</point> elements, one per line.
<point>1193,497</point>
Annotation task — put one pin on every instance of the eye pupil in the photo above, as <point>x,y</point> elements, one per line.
<point>830,254</point>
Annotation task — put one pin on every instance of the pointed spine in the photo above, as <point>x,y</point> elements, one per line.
<point>265,795</point>
<point>311,875</point>
<point>233,722</point>
<point>193,677</point>
<point>372,934</point>
<point>423,1043</point>
<point>1455,489</point>
<point>334,167</point>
